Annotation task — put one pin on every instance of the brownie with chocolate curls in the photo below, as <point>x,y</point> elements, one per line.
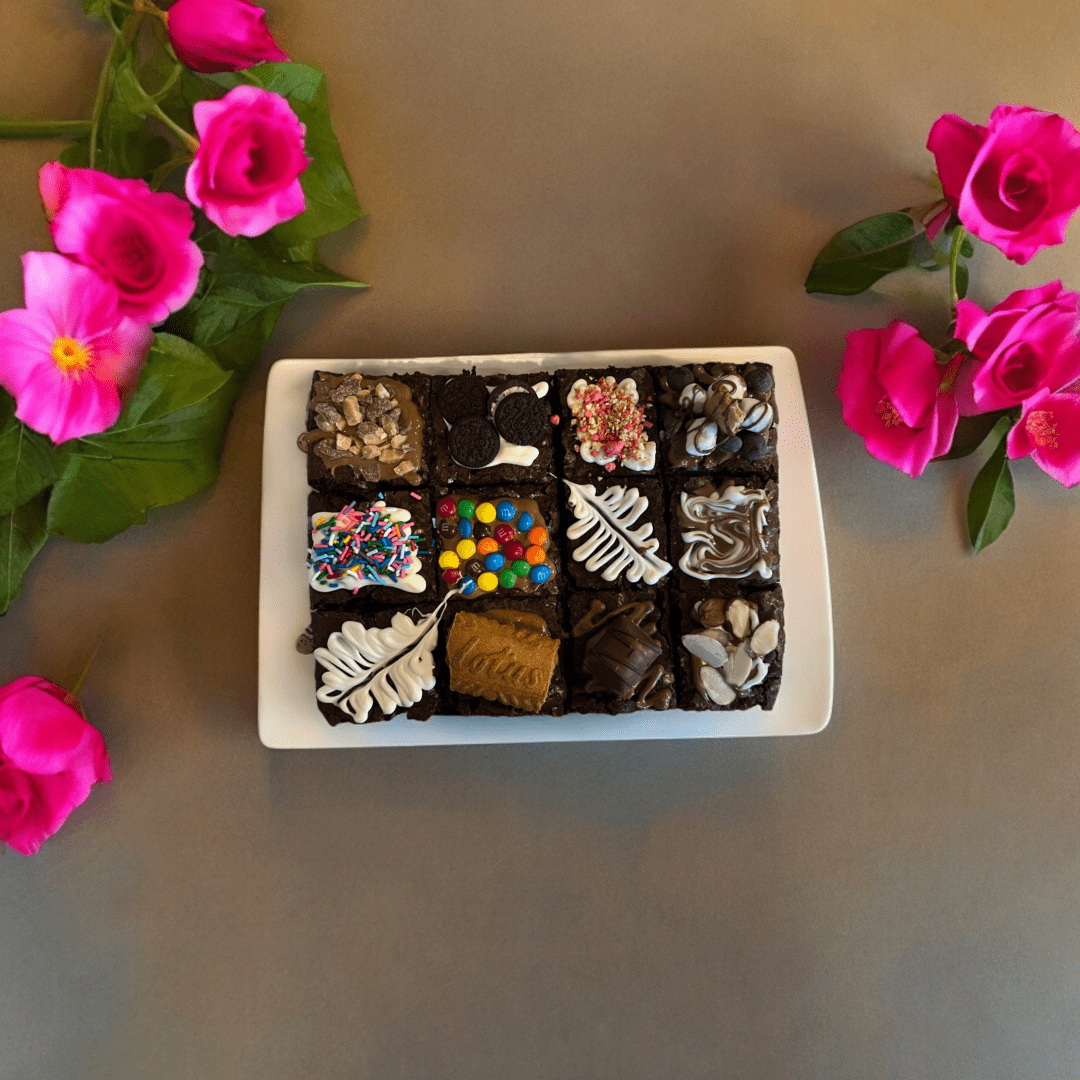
<point>724,528</point>
<point>621,653</point>
<point>492,429</point>
<point>615,532</point>
<point>518,516</point>
<point>501,652</point>
<point>729,643</point>
<point>717,418</point>
<point>378,595</point>
<point>367,433</point>
<point>326,623</point>
<point>628,430</point>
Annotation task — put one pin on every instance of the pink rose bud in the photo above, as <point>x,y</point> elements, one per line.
<point>221,35</point>
<point>1026,343</point>
<point>138,239</point>
<point>50,758</point>
<point>1016,182</point>
<point>52,184</point>
<point>245,176</point>
<point>890,387</point>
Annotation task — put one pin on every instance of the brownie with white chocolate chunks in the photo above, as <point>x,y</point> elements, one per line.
<point>362,557</point>
<point>717,417</point>
<point>353,687</point>
<point>730,647</point>
<point>367,432</point>
<point>621,654</point>
<point>615,532</point>
<point>607,423</point>
<point>505,657</point>
<point>724,528</point>
<point>498,541</point>
<point>491,429</point>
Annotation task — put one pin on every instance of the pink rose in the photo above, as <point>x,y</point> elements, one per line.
<point>1015,183</point>
<point>65,356</point>
<point>1026,343</point>
<point>890,388</point>
<point>1049,430</point>
<point>245,173</point>
<point>220,35</point>
<point>138,239</point>
<point>50,758</point>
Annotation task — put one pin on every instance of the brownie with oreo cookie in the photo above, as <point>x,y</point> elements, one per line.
<point>621,652</point>
<point>717,417</point>
<point>367,433</point>
<point>499,541</point>
<point>607,423</point>
<point>492,429</point>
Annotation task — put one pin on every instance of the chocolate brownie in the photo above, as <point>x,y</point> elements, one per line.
<point>607,422</point>
<point>367,433</point>
<point>615,532</point>
<point>497,541</point>
<point>621,652</point>
<point>730,647</point>
<point>372,555</point>
<point>724,528</point>
<point>491,429</point>
<point>717,418</point>
<point>496,659</point>
<point>342,700</point>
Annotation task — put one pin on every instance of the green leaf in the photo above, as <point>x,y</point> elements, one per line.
<point>865,252</point>
<point>967,248</point>
<point>22,532</point>
<point>249,284</point>
<point>125,148</point>
<point>163,449</point>
<point>972,432</point>
<point>28,461</point>
<point>991,502</point>
<point>330,201</point>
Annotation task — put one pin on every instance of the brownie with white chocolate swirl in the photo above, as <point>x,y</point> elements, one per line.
<point>725,528</point>
<point>717,418</point>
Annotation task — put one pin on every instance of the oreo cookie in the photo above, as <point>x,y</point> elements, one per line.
<point>473,441</point>
<point>521,419</point>
<point>461,396</point>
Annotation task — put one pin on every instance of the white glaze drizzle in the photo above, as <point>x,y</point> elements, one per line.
<point>616,545</point>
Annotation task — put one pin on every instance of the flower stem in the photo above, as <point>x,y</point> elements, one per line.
<point>954,261</point>
<point>86,670</point>
<point>11,128</point>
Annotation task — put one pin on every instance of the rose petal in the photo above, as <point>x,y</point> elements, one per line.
<point>39,733</point>
<point>954,143</point>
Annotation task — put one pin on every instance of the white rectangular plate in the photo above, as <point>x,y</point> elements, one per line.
<point>288,716</point>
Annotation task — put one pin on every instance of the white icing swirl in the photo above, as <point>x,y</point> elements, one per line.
<point>725,534</point>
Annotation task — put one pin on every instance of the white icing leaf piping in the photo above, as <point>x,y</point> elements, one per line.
<point>394,665</point>
<point>616,544</point>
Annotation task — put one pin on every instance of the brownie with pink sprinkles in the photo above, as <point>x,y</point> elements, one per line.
<point>608,423</point>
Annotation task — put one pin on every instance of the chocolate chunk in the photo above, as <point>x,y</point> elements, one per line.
<point>678,377</point>
<point>759,380</point>
<point>473,441</point>
<point>461,396</point>
<point>754,446</point>
<point>619,657</point>
<point>521,418</point>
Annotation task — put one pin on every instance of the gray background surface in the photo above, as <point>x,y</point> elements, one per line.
<point>896,897</point>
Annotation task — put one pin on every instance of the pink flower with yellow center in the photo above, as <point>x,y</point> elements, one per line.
<point>1049,430</point>
<point>66,356</point>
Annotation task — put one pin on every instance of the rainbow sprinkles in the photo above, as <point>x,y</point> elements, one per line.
<point>355,548</point>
